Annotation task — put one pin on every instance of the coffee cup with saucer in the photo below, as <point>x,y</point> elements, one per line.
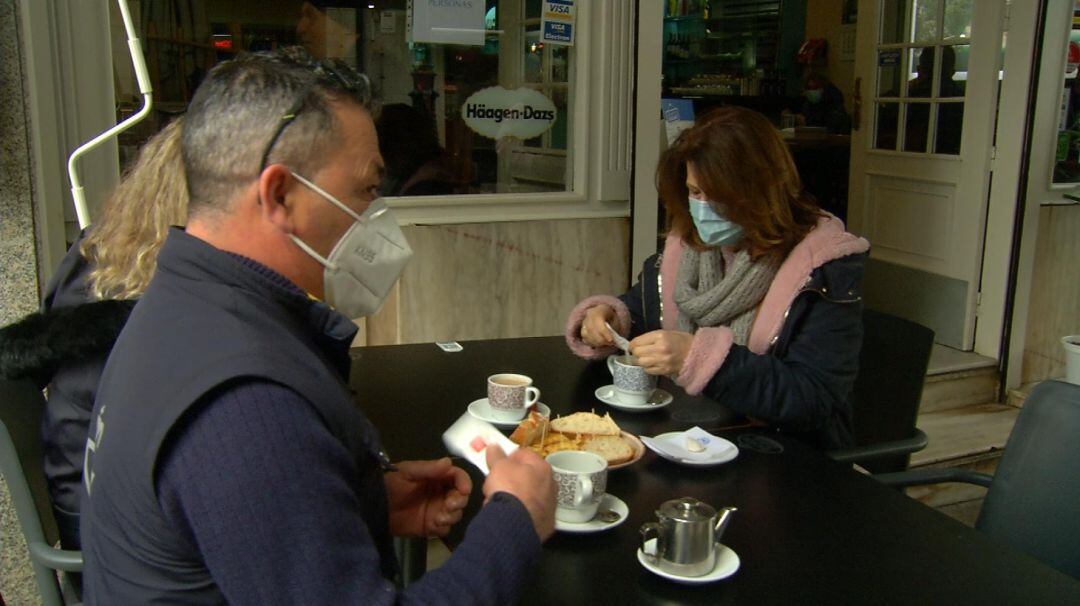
<point>481,409</point>
<point>658,399</point>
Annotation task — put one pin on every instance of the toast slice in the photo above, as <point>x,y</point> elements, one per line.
<point>614,449</point>
<point>531,430</point>
<point>586,423</point>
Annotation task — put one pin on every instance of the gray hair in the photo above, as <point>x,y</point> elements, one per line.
<point>259,109</point>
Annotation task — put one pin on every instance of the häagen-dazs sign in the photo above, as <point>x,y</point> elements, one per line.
<point>496,112</point>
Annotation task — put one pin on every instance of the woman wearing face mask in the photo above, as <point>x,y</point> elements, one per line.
<point>755,300</point>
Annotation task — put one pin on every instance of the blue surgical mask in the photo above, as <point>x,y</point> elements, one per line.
<point>815,95</point>
<point>712,228</point>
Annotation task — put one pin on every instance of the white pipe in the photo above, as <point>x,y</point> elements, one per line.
<point>145,88</point>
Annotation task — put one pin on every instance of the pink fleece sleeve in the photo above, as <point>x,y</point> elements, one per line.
<point>577,316</point>
<point>708,351</point>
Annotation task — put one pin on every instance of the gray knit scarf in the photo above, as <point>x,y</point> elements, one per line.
<point>710,294</point>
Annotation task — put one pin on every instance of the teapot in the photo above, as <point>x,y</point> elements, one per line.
<point>686,536</point>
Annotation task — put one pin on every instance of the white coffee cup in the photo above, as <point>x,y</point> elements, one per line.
<point>509,395</point>
<point>582,481</point>
<point>632,384</point>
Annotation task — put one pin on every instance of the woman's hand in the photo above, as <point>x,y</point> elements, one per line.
<point>593,331</point>
<point>662,352</point>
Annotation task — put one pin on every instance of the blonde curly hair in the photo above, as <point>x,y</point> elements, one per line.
<point>121,247</point>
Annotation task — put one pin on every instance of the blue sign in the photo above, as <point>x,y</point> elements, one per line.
<point>558,32</point>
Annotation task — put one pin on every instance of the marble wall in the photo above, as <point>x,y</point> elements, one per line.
<point>1054,309</point>
<point>499,280</point>
<point>19,278</point>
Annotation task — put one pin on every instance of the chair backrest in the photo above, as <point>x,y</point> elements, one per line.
<point>892,369</point>
<point>1034,500</point>
<point>21,408</point>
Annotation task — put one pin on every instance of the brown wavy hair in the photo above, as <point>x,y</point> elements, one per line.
<point>742,164</point>
<point>122,245</point>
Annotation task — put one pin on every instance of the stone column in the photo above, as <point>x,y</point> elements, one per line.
<point>18,258</point>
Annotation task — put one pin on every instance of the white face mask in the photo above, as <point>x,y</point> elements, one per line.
<point>365,262</point>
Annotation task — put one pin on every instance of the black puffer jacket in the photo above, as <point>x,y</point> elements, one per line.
<point>65,346</point>
<point>798,369</point>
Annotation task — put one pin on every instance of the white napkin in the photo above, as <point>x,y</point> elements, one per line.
<point>674,445</point>
<point>469,437</point>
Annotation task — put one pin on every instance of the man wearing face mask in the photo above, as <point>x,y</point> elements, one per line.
<point>823,105</point>
<point>755,300</point>
<point>227,462</point>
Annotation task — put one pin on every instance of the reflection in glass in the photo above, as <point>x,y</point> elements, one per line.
<point>916,126</point>
<point>953,82</point>
<point>885,133</point>
<point>958,18</point>
<point>533,55</point>
<point>424,85</point>
<point>926,27</point>
<point>560,62</point>
<point>892,21</point>
<point>950,124</point>
<point>889,80</point>
<point>922,61</point>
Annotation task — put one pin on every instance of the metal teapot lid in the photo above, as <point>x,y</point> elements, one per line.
<point>686,509</point>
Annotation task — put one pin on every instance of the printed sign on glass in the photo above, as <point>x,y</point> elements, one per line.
<point>447,21</point>
<point>496,112</point>
<point>557,22</point>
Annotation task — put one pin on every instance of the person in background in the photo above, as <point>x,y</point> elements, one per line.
<point>823,105</point>
<point>755,300</point>
<point>416,165</point>
<point>86,303</point>
<point>950,116</point>
<point>228,461</point>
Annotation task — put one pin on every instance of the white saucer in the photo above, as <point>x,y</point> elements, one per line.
<point>727,563</point>
<point>657,400</point>
<point>609,501</point>
<point>723,457</point>
<point>482,410</point>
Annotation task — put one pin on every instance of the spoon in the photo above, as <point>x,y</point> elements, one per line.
<point>620,342</point>
<point>607,516</point>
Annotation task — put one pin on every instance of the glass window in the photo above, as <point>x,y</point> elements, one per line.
<point>958,18</point>
<point>893,14</point>
<point>885,133</point>
<point>932,50</point>
<point>424,88</point>
<point>1067,143</point>
<point>926,21</point>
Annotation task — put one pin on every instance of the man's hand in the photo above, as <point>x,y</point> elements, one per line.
<point>593,331</point>
<point>528,477</point>
<point>426,497</point>
<point>662,352</point>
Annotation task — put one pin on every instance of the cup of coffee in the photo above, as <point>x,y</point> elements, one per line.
<point>632,384</point>
<point>509,395</point>
<point>582,480</point>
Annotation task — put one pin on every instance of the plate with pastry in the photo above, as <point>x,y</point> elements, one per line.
<point>694,446</point>
<point>579,431</point>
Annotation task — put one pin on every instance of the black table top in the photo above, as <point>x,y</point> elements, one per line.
<point>808,530</point>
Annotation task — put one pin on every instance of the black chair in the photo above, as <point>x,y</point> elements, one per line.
<point>1033,502</point>
<point>892,370</point>
<point>21,407</point>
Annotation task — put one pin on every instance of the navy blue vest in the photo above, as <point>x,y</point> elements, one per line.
<point>207,317</point>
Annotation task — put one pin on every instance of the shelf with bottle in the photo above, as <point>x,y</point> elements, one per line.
<point>686,10</point>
